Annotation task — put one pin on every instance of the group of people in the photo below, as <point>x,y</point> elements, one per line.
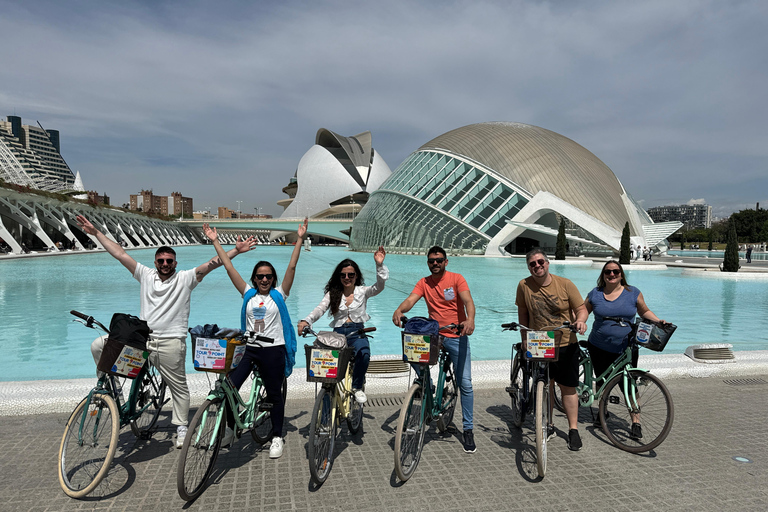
<point>543,300</point>
<point>635,253</point>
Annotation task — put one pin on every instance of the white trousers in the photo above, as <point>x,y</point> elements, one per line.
<point>168,356</point>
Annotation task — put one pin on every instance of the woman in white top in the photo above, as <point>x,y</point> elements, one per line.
<point>264,313</point>
<point>345,300</point>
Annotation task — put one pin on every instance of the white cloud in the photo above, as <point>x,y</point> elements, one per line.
<point>692,202</point>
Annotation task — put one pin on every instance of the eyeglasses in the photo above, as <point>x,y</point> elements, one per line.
<point>614,271</point>
<point>348,275</point>
<point>261,277</point>
<point>432,261</point>
<point>535,263</point>
<point>168,261</point>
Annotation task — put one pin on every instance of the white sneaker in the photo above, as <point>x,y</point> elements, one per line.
<point>276,449</point>
<point>229,437</point>
<point>360,396</point>
<point>181,433</point>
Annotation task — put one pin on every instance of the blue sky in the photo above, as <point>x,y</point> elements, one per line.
<point>219,100</point>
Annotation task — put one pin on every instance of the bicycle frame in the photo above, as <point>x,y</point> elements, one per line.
<point>224,390</point>
<point>433,398</point>
<point>586,390</point>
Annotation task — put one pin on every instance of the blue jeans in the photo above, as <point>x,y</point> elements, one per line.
<point>461,359</point>
<point>362,355</point>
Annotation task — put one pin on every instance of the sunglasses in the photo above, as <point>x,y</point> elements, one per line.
<point>261,277</point>
<point>168,261</point>
<point>348,275</point>
<point>432,261</point>
<point>535,263</point>
<point>614,271</point>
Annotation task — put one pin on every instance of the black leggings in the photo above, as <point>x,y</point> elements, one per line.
<point>602,359</point>
<point>271,364</point>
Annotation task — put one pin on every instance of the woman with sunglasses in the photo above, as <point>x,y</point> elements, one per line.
<point>264,313</point>
<point>608,339</point>
<point>345,300</point>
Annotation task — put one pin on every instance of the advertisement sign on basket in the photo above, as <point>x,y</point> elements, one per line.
<point>324,363</point>
<point>541,345</point>
<point>211,354</point>
<point>416,347</point>
<point>130,361</point>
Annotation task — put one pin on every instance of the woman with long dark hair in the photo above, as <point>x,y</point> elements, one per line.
<point>264,313</point>
<point>345,300</point>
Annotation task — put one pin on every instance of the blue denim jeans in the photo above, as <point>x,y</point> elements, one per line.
<point>362,355</point>
<point>461,359</point>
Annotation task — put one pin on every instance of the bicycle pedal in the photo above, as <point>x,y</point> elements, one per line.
<point>265,406</point>
<point>614,399</point>
<point>510,389</point>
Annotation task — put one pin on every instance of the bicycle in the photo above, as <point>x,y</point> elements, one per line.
<point>206,430</point>
<point>422,405</point>
<point>625,395</point>
<point>529,386</point>
<point>333,402</point>
<point>89,442</point>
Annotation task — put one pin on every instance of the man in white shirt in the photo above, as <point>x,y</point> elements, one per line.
<point>165,299</point>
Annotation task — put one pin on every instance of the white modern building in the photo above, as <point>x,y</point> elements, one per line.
<point>335,177</point>
<point>498,188</point>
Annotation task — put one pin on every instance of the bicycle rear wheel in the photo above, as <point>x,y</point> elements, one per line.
<point>322,436</point>
<point>541,413</point>
<point>652,408</point>
<point>262,427</point>
<point>448,402</point>
<point>200,449</point>
<point>88,445</point>
<point>516,392</point>
<point>150,398</point>
<point>409,437</point>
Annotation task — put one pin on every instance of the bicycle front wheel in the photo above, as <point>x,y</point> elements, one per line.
<point>516,393</point>
<point>448,402</point>
<point>322,436</point>
<point>542,412</point>
<point>150,398</point>
<point>200,449</point>
<point>88,445</point>
<point>646,403</point>
<point>409,438</point>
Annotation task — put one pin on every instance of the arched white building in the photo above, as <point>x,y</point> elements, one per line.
<point>492,188</point>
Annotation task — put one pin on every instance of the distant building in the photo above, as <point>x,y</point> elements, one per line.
<point>692,215</point>
<point>96,198</point>
<point>175,204</point>
<point>226,213</point>
<point>31,156</point>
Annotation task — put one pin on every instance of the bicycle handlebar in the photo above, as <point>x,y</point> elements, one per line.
<point>360,332</point>
<point>258,337</point>
<point>514,326</point>
<point>89,320</point>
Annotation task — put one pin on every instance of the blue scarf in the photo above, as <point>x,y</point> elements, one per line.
<point>288,333</point>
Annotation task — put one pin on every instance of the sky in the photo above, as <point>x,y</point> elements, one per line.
<point>220,100</point>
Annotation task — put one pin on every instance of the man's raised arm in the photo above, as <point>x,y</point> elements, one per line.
<point>111,247</point>
<point>215,262</point>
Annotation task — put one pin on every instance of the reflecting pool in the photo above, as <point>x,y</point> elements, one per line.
<point>40,341</point>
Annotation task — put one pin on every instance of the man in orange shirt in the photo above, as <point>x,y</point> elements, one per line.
<point>449,301</point>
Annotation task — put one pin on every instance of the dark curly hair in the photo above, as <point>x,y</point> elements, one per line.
<point>336,289</point>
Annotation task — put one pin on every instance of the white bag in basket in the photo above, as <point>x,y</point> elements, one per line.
<point>330,339</point>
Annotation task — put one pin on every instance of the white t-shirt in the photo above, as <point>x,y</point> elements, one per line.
<point>263,317</point>
<point>165,304</point>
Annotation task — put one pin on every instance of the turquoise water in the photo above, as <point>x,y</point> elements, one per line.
<point>40,341</point>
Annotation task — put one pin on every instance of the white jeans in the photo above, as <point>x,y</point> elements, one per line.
<point>168,356</point>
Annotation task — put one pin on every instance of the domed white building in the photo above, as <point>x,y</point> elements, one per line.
<point>493,188</point>
<point>335,177</point>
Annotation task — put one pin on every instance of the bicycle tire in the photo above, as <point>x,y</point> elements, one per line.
<point>448,402</point>
<point>409,437</point>
<point>150,399</point>
<point>322,436</point>
<point>261,432</point>
<point>541,413</point>
<point>355,418</point>
<point>83,466</point>
<point>657,412</point>
<point>200,449</point>
<point>516,393</point>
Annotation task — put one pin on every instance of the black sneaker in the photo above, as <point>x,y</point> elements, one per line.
<point>469,441</point>
<point>550,432</point>
<point>574,440</point>
<point>636,432</point>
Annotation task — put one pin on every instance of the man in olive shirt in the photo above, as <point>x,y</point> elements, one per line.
<point>545,300</point>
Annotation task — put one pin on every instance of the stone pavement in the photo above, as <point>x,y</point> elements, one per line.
<point>716,420</point>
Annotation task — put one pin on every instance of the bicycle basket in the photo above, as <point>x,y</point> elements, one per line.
<point>421,340</point>
<point>543,345</point>
<point>122,359</point>
<point>330,339</point>
<point>217,355</point>
<point>653,335</point>
<point>327,365</point>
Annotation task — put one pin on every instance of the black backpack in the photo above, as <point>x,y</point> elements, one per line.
<point>129,329</point>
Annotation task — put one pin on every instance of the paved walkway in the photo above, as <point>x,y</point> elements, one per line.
<point>717,419</point>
